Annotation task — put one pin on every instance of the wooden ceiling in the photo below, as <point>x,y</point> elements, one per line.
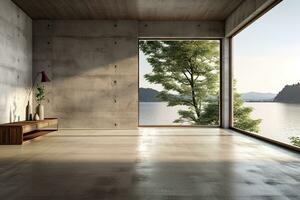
<point>129,9</point>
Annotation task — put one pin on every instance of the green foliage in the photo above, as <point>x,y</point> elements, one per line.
<point>189,74</point>
<point>295,141</point>
<point>241,115</point>
<point>211,112</point>
<point>40,94</point>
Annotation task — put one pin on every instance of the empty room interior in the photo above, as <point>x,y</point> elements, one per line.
<point>149,99</point>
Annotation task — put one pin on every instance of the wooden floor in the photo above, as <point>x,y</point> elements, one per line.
<point>148,164</point>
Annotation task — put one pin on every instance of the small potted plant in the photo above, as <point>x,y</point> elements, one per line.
<point>40,96</point>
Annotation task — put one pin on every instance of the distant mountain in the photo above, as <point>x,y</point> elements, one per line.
<point>289,94</point>
<point>148,95</point>
<point>258,96</point>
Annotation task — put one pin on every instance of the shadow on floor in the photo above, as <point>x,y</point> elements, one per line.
<point>83,177</point>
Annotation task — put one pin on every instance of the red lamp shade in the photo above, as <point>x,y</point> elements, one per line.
<point>45,78</point>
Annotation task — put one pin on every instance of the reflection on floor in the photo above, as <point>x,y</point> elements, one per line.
<point>148,164</point>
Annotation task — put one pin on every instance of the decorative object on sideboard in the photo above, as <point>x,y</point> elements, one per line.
<point>40,96</point>
<point>36,117</point>
<point>40,108</point>
<point>40,111</point>
<point>28,111</point>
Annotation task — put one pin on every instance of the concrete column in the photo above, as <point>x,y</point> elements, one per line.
<point>226,84</point>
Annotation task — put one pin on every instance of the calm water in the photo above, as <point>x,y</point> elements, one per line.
<point>279,120</point>
<point>158,113</point>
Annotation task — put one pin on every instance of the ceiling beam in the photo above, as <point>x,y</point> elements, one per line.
<point>175,29</point>
<point>246,13</point>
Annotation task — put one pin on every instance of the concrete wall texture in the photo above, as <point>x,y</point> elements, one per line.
<point>94,67</point>
<point>15,61</point>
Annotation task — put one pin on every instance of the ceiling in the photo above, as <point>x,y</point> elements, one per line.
<point>159,10</point>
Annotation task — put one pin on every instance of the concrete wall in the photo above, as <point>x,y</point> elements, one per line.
<point>94,67</point>
<point>15,61</point>
<point>94,73</point>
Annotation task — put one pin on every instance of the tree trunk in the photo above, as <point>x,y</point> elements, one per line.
<point>195,104</point>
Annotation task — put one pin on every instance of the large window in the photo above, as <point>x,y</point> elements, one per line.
<point>179,82</point>
<point>266,72</point>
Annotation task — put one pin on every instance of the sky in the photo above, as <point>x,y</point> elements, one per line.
<point>145,68</point>
<point>266,55</point>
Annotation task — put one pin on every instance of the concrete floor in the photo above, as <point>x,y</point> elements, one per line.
<point>148,164</point>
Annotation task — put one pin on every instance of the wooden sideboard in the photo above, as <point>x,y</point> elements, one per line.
<point>17,132</point>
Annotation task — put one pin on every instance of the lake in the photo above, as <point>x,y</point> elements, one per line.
<point>157,113</point>
<point>279,120</point>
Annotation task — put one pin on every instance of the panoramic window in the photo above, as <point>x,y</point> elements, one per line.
<point>266,73</point>
<point>179,82</point>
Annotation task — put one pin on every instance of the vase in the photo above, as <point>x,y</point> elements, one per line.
<point>36,117</point>
<point>40,111</point>
<point>28,112</point>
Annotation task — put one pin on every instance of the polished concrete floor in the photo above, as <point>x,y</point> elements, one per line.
<point>148,164</point>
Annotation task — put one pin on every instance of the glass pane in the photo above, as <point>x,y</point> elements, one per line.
<point>179,82</point>
<point>266,69</point>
